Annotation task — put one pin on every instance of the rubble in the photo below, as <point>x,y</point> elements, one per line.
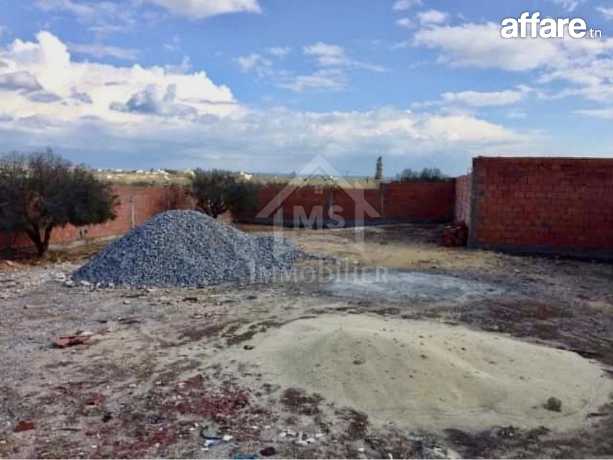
<point>187,249</point>
<point>24,425</point>
<point>455,235</point>
<point>72,340</point>
<point>268,451</point>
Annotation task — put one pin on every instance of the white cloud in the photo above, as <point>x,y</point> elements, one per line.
<point>20,80</point>
<point>568,5</point>
<point>466,129</point>
<point>326,54</point>
<point>407,23</point>
<point>81,10</point>
<point>174,44</point>
<point>329,55</point>
<point>153,112</point>
<point>332,74</point>
<point>606,12</point>
<point>69,91</point>
<point>432,17</point>
<point>201,9</point>
<point>102,17</point>
<point>404,5</point>
<point>259,139</point>
<point>98,50</point>
<point>331,61</point>
<point>279,51</point>
<point>584,66</point>
<point>483,98</point>
<point>153,101</point>
<point>326,79</point>
<point>605,113</point>
<point>480,45</point>
<point>108,17</point>
<point>255,62</point>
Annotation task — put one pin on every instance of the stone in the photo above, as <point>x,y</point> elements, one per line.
<point>268,451</point>
<point>553,404</point>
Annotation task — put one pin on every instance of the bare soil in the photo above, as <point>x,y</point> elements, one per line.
<point>150,380</point>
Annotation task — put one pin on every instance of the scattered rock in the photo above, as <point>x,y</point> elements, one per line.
<point>268,451</point>
<point>24,425</point>
<point>553,404</point>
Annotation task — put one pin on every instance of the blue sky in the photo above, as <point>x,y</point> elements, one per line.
<point>266,85</point>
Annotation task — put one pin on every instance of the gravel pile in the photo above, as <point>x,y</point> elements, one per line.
<point>188,249</point>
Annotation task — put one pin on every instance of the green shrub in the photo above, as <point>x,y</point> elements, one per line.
<point>218,191</point>
<point>42,191</point>
<point>426,175</point>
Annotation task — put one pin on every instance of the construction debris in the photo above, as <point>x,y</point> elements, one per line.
<point>455,235</point>
<point>24,425</point>
<point>72,340</point>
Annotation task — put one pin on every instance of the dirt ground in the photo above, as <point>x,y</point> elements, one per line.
<point>177,372</point>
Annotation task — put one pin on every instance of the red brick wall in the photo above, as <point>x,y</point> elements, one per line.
<point>137,204</point>
<point>548,205</point>
<point>462,199</point>
<point>306,198</point>
<point>404,202</point>
<point>362,205</point>
<point>419,201</point>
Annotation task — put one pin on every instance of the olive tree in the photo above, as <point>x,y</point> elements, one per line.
<point>218,191</point>
<point>42,191</point>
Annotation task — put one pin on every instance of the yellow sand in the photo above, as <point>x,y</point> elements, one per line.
<point>428,375</point>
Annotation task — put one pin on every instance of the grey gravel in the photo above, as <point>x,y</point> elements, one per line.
<point>187,249</point>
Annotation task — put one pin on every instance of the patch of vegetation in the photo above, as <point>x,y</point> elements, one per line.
<point>425,175</point>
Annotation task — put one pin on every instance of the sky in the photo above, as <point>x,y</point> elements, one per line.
<point>268,85</point>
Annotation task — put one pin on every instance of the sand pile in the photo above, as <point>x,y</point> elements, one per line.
<point>187,248</point>
<point>426,375</point>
